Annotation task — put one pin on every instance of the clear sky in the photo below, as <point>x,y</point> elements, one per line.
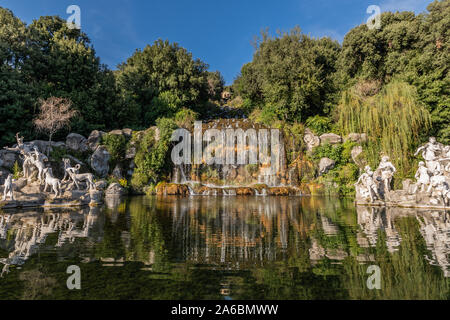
<point>218,32</point>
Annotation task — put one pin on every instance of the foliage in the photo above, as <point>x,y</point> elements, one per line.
<point>152,156</point>
<point>413,48</point>
<point>393,120</point>
<point>185,118</point>
<point>290,77</point>
<point>319,124</point>
<point>17,171</point>
<point>116,146</point>
<point>46,59</point>
<point>216,84</point>
<point>160,80</point>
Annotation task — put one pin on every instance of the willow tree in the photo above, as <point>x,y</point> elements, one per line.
<point>393,119</point>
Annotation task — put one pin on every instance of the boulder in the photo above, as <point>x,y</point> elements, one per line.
<point>130,153</point>
<point>95,139</point>
<point>101,185</point>
<point>127,133</point>
<point>20,183</point>
<point>325,165</point>
<point>356,137</point>
<point>8,158</point>
<point>117,172</point>
<point>76,142</point>
<point>356,151</point>
<point>311,140</point>
<point>3,175</point>
<point>115,189</point>
<point>100,161</point>
<point>171,189</point>
<point>45,147</point>
<point>330,138</point>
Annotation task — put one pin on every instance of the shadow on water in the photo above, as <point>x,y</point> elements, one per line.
<point>225,248</point>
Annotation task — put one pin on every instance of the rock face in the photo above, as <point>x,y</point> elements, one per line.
<point>99,161</point>
<point>171,189</point>
<point>101,185</point>
<point>356,151</point>
<point>325,165</point>
<point>94,140</point>
<point>311,140</point>
<point>117,172</point>
<point>330,138</point>
<point>115,189</point>
<point>45,147</point>
<point>356,137</point>
<point>7,159</point>
<point>76,142</point>
<point>127,133</point>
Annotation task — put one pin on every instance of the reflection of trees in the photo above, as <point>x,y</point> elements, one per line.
<point>147,243</point>
<point>255,247</point>
<point>235,232</point>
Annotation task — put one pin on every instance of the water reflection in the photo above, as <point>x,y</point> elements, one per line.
<point>222,247</point>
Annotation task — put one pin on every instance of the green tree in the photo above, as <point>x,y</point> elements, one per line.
<point>160,80</point>
<point>291,74</point>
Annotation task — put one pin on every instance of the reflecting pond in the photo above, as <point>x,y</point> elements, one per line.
<point>226,248</point>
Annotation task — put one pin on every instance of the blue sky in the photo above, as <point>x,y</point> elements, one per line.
<point>218,32</point>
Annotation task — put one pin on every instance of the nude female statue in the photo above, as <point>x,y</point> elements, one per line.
<point>8,188</point>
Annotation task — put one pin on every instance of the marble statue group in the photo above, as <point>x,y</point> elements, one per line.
<point>432,176</point>
<point>36,167</point>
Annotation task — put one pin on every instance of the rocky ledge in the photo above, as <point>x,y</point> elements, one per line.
<point>32,195</point>
<point>172,189</point>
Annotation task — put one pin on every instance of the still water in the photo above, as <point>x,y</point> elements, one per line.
<point>226,248</point>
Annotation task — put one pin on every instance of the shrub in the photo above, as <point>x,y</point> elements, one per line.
<point>185,118</point>
<point>17,172</point>
<point>116,146</point>
<point>318,124</point>
<point>152,157</point>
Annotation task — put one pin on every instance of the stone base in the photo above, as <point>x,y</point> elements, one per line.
<point>68,199</point>
<point>403,199</point>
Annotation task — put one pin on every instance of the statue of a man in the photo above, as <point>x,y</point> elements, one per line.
<point>366,185</point>
<point>430,152</point>
<point>423,175</point>
<point>387,172</point>
<point>8,188</point>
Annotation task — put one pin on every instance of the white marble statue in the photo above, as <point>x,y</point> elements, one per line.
<point>81,177</point>
<point>8,188</point>
<point>366,186</point>
<point>430,152</point>
<point>436,181</point>
<point>67,165</point>
<point>37,160</point>
<point>387,170</point>
<point>28,164</point>
<point>423,175</point>
<point>52,182</point>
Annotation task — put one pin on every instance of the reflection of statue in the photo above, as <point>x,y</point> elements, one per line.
<point>387,172</point>
<point>366,186</point>
<point>80,177</point>
<point>8,188</point>
<point>52,182</point>
<point>423,177</point>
